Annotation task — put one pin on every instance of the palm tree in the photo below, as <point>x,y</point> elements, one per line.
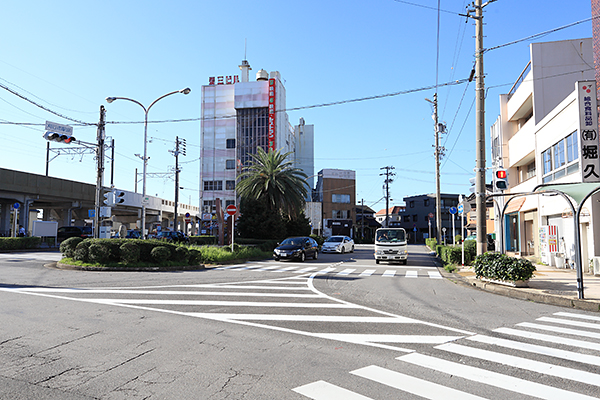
<point>273,178</point>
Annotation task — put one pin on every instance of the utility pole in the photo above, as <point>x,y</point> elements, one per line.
<point>180,148</point>
<point>480,190</point>
<point>100,170</point>
<point>388,173</point>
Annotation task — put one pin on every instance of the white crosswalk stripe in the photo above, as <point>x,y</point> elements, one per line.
<point>333,270</point>
<point>522,377</point>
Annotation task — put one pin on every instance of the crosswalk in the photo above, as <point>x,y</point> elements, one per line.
<point>339,270</point>
<point>510,362</point>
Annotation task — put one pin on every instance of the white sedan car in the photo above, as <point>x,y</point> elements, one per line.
<point>338,244</point>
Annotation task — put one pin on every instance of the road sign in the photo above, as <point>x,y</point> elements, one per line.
<point>231,209</point>
<point>452,210</point>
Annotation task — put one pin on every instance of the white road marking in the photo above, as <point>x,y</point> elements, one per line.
<point>435,275</point>
<point>569,322</point>
<point>560,330</point>
<point>347,271</point>
<point>412,274</point>
<point>416,386</point>
<point>537,349</point>
<point>322,390</point>
<point>549,338</point>
<point>389,273</point>
<point>523,363</point>
<point>491,378</point>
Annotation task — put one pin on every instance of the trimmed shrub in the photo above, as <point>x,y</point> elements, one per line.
<point>160,254</point>
<point>129,252</point>
<point>181,254</point>
<point>67,247</point>
<point>501,267</point>
<point>81,252</point>
<point>98,253</point>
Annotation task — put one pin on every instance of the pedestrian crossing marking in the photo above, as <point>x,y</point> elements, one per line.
<point>537,349</point>
<point>322,390</point>
<point>549,338</point>
<point>558,329</point>
<point>412,274</point>
<point>491,378</point>
<point>523,363</point>
<point>416,386</point>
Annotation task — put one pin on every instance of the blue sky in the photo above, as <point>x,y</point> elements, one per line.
<point>70,55</point>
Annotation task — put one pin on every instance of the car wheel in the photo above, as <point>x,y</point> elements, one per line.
<point>302,257</point>
<point>316,255</point>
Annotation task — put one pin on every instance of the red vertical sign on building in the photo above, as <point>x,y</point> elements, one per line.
<point>272,114</point>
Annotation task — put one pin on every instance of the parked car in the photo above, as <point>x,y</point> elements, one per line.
<point>65,232</point>
<point>297,248</point>
<point>338,244</point>
<point>172,236</point>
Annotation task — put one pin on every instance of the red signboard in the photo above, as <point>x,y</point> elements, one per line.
<point>272,114</point>
<point>231,209</point>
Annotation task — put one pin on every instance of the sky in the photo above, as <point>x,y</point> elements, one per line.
<point>359,71</point>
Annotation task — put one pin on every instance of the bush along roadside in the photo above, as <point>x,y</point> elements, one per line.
<point>139,254</point>
<point>500,267</point>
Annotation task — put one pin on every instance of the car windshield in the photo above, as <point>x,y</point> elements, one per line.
<point>390,235</point>
<point>293,241</point>
<point>336,239</point>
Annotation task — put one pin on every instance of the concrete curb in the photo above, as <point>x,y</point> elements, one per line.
<point>535,295</point>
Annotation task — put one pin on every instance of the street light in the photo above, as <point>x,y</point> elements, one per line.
<point>146,110</point>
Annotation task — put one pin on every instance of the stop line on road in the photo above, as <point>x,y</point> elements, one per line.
<point>472,366</point>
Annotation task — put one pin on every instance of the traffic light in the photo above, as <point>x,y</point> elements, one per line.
<point>500,179</point>
<point>59,137</point>
<point>119,196</point>
<point>109,199</point>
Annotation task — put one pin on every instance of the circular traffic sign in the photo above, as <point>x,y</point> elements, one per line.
<point>231,209</point>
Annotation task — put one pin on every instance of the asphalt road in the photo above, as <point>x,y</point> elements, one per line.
<point>340,327</point>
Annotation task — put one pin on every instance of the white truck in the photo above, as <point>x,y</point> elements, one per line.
<point>391,245</point>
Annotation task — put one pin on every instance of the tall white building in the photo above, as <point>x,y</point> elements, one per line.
<point>238,116</point>
<point>540,138</point>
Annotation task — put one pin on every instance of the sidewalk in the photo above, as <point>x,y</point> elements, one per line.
<point>549,285</point>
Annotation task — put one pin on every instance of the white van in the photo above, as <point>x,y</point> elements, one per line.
<point>391,245</point>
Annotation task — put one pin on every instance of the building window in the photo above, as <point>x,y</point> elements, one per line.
<point>230,164</point>
<point>230,143</point>
<point>213,185</point>
<point>340,198</point>
<point>229,185</point>
<point>561,159</point>
<point>340,214</point>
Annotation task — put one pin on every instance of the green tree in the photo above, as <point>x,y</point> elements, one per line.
<point>272,178</point>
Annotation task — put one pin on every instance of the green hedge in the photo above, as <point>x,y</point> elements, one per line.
<point>502,267</point>
<point>19,243</point>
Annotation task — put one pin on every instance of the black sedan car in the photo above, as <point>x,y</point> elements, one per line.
<point>297,248</point>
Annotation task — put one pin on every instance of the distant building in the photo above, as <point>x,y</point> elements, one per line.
<point>238,117</point>
<point>336,191</point>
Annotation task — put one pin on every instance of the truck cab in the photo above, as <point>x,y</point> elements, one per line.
<point>391,245</point>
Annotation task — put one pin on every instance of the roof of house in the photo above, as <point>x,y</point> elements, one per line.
<point>391,210</point>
